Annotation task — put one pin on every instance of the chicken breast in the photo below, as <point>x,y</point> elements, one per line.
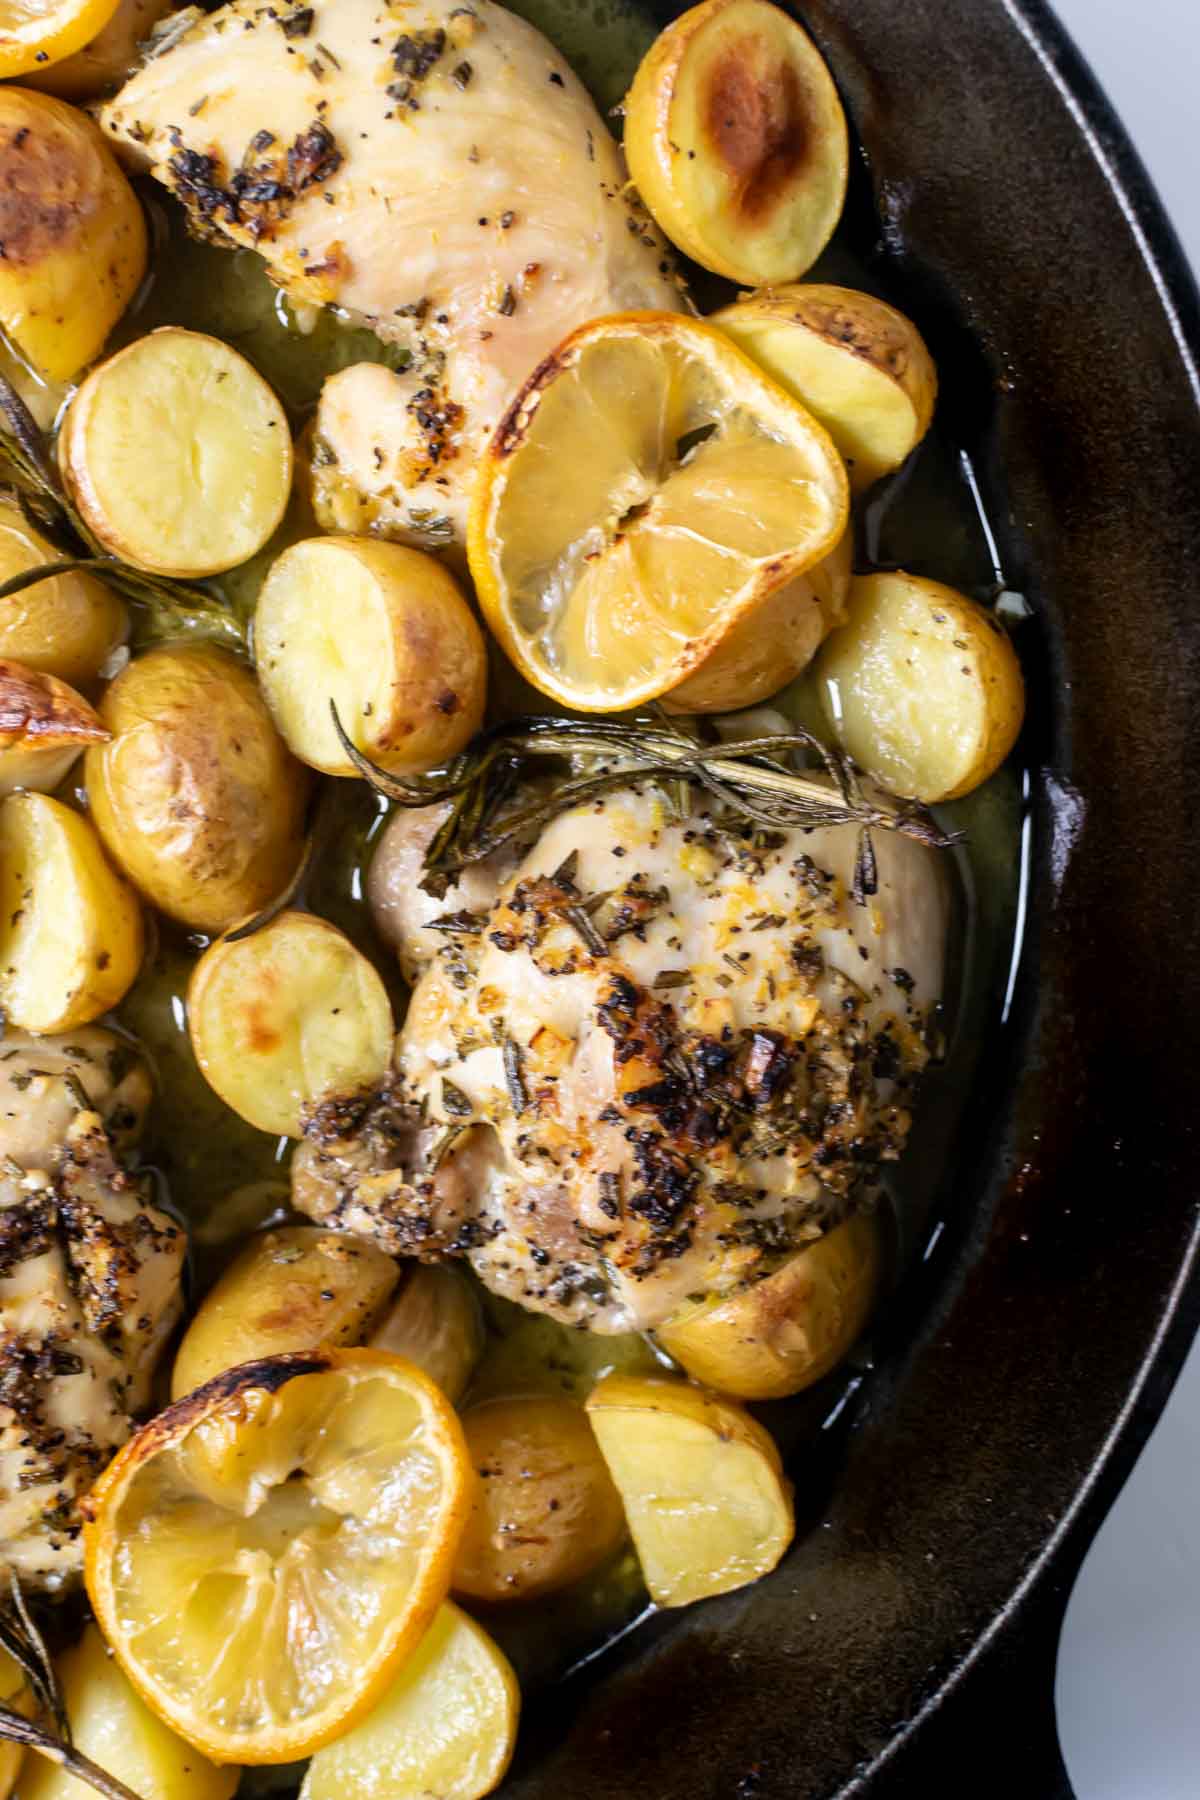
<point>89,1290</point>
<point>664,1056</point>
<point>433,169</point>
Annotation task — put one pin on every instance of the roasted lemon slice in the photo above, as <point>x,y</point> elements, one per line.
<point>263,1555</point>
<point>34,33</point>
<point>647,490</point>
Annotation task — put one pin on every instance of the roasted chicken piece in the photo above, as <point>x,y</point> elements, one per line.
<point>661,1057</point>
<point>89,1288</point>
<point>432,168</point>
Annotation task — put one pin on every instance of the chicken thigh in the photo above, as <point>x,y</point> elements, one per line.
<point>664,1056</point>
<point>434,170</point>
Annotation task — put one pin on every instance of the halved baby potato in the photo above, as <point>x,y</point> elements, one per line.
<point>858,365</point>
<point>707,1501</point>
<point>178,454</point>
<point>286,1018</point>
<point>111,1724</point>
<point>44,725</point>
<point>545,1512</point>
<point>790,1329</point>
<point>435,1321</point>
<point>736,140</point>
<point>921,686</point>
<point>67,625</point>
<point>384,633</point>
<point>70,928</point>
<point>72,229</point>
<point>446,1727</point>
<point>293,1288</point>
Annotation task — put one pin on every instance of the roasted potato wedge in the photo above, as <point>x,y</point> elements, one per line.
<point>292,1288</point>
<point>707,1501</point>
<point>772,644</point>
<point>545,1511</point>
<point>70,928</point>
<point>40,1083</point>
<point>857,364</point>
<point>44,726</point>
<point>921,686</point>
<point>435,1321</point>
<point>67,626</point>
<point>446,1727</point>
<point>178,454</point>
<point>788,1330</point>
<point>736,140</point>
<point>108,58</point>
<point>286,1018</point>
<point>111,1723</point>
<point>73,234</point>
<point>385,634</point>
<point>196,795</point>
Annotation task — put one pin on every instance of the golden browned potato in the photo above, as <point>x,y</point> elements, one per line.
<point>921,686</point>
<point>708,1504</point>
<point>545,1512</point>
<point>178,454</point>
<point>788,1330</point>
<point>196,795</point>
<point>385,633</point>
<point>286,1018</point>
<point>736,140</point>
<point>70,928</point>
<point>112,1724</point>
<point>857,364</point>
<point>291,1288</point>
<point>73,234</point>
<point>44,726</point>
<point>14,1692</point>
<point>774,642</point>
<point>109,58</point>
<point>41,1082</point>
<point>67,626</point>
<point>435,1321</point>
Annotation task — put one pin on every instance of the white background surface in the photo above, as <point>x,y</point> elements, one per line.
<point>1128,1689</point>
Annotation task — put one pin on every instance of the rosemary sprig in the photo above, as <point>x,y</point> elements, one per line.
<point>21,1638</point>
<point>169,608</point>
<point>755,779</point>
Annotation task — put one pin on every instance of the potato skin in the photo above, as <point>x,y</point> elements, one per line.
<point>788,1330</point>
<point>66,626</point>
<point>196,796</point>
<point>545,1511</point>
<point>291,1288</point>
<point>73,233</point>
<point>44,726</point>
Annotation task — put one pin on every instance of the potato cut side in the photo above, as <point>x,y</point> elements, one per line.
<point>44,724</point>
<point>736,140</point>
<point>921,686</point>
<point>286,1018</point>
<point>293,1288</point>
<point>434,1320</point>
<point>384,633</point>
<point>787,1331</point>
<point>445,1730</point>
<point>67,626</point>
<point>178,455</point>
<point>112,1724</point>
<point>72,227</point>
<point>14,1693</point>
<point>707,1501</point>
<point>545,1512</point>
<point>859,366</point>
<point>70,928</point>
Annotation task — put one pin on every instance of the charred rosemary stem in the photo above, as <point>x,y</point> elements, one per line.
<point>16,1730</point>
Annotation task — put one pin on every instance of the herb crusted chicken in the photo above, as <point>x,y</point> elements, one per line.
<point>659,1058</point>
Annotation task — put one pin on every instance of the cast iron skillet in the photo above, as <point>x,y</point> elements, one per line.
<point>906,1645</point>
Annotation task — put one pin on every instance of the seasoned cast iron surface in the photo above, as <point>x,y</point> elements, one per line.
<point>906,1645</point>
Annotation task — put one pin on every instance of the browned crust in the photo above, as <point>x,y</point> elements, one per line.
<point>39,711</point>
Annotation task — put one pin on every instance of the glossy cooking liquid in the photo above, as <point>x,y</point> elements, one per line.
<point>227,1178</point>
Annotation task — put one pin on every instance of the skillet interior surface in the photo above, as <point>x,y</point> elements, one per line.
<point>906,1645</point>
